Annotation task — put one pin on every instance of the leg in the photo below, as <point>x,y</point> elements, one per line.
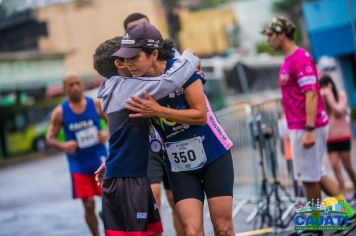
<point>90,217</point>
<point>156,190</point>
<point>188,195</point>
<point>190,213</point>
<point>126,199</point>
<point>308,164</point>
<point>346,161</point>
<point>312,190</point>
<point>329,186</point>
<point>155,173</point>
<point>220,209</point>
<point>219,192</point>
<point>334,160</point>
<point>176,222</point>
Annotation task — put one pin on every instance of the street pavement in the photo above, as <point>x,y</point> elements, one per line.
<point>35,199</point>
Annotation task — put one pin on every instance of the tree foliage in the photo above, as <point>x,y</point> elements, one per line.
<point>212,3</point>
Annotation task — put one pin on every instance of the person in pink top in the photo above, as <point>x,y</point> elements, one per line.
<point>339,138</point>
<point>306,118</point>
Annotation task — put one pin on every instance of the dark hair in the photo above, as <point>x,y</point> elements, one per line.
<point>164,53</point>
<point>103,61</point>
<point>133,17</point>
<point>325,81</point>
<point>290,34</point>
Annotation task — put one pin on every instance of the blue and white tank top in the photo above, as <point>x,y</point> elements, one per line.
<point>83,128</point>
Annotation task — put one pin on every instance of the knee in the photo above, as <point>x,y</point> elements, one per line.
<point>89,204</point>
<point>157,197</point>
<point>192,230</point>
<point>223,229</point>
<point>336,167</point>
<point>158,201</point>
<point>348,167</point>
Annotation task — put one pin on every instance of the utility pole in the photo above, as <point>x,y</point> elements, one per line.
<point>172,9</point>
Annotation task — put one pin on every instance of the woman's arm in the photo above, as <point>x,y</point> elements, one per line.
<point>195,115</point>
<point>338,107</point>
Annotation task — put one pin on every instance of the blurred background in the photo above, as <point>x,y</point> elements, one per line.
<point>40,40</point>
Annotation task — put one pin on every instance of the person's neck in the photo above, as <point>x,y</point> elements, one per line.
<point>124,72</point>
<point>289,48</point>
<point>78,106</point>
<point>76,102</point>
<point>157,68</point>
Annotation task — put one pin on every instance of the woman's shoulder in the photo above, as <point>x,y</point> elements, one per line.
<point>342,93</point>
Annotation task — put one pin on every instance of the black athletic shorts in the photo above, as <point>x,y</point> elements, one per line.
<point>157,171</point>
<point>339,146</point>
<point>129,207</point>
<point>215,180</point>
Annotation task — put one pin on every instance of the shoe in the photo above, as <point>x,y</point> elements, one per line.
<point>350,212</point>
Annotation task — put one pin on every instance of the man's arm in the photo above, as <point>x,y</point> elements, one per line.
<point>174,78</point>
<point>311,106</point>
<point>104,133</point>
<point>195,114</point>
<point>53,131</point>
<point>307,80</point>
<point>99,110</point>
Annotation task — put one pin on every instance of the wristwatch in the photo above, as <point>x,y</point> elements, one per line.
<point>156,146</point>
<point>309,128</point>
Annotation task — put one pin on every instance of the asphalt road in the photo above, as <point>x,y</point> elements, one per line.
<point>35,199</point>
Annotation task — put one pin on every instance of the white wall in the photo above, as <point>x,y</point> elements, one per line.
<point>252,16</point>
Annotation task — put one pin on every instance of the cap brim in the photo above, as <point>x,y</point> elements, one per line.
<point>267,31</point>
<point>127,52</point>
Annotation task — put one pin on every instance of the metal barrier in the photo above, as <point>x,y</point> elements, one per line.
<point>237,122</point>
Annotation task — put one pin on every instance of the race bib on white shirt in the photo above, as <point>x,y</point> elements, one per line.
<point>87,137</point>
<point>186,155</point>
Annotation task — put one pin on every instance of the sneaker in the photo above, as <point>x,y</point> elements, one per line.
<point>350,212</point>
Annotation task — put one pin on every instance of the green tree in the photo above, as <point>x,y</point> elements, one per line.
<point>213,3</point>
<point>263,47</point>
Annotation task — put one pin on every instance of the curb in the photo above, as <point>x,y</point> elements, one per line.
<point>18,159</point>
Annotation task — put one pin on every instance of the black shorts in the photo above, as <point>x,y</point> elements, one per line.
<point>215,180</point>
<point>339,146</point>
<point>129,206</point>
<point>157,171</point>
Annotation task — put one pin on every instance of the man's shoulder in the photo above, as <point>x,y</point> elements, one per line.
<point>57,113</point>
<point>303,54</point>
